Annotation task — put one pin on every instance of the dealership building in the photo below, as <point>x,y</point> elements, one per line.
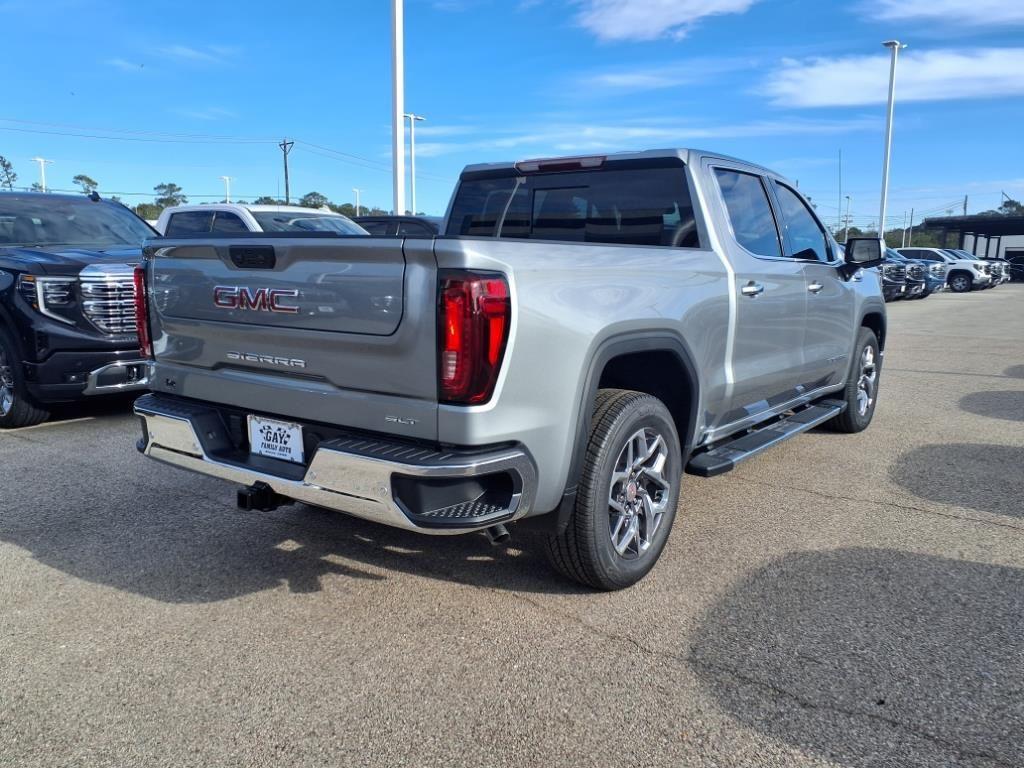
<point>989,236</point>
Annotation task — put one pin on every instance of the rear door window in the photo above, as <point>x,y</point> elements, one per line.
<point>750,213</point>
<point>189,223</point>
<point>228,223</point>
<point>621,206</point>
<point>375,227</point>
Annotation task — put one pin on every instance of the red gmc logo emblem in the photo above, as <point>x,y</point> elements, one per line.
<point>256,299</point>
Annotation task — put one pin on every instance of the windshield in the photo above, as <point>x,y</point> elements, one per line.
<point>289,221</point>
<point>41,220</point>
<point>890,253</point>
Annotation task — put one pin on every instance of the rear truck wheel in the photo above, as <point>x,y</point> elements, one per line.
<point>627,497</point>
<point>960,282</point>
<point>861,393</point>
<point>17,409</point>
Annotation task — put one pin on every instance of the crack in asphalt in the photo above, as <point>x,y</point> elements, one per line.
<point>893,722</point>
<point>804,703</point>
<point>881,503</point>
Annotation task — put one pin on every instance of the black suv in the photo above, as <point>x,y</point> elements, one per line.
<point>67,302</point>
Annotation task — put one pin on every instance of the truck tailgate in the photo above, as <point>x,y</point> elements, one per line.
<point>333,329</point>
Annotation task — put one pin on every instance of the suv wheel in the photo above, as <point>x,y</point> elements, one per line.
<point>16,408</point>
<point>627,497</point>
<point>861,393</point>
<point>960,282</point>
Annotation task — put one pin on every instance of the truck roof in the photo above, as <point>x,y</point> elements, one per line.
<point>249,207</point>
<point>688,156</point>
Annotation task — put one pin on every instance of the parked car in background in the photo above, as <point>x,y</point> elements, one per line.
<point>1000,267</point>
<point>401,226</point>
<point>67,302</point>
<point>239,218</point>
<point>915,271</point>
<point>683,310</point>
<point>894,279</point>
<point>962,274</point>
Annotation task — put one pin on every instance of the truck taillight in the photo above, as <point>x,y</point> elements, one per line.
<point>474,315</point>
<point>142,313</point>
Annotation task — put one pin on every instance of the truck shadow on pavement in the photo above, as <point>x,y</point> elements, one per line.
<point>988,478</point>
<point>1007,404</point>
<point>187,549</point>
<point>873,657</point>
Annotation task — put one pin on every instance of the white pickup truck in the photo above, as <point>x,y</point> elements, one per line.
<point>239,218</point>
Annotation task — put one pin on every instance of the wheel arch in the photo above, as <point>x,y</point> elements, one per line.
<point>877,323</point>
<point>656,363</point>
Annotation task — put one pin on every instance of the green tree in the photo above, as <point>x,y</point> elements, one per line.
<point>148,210</point>
<point>7,174</point>
<point>87,184</point>
<point>1009,207</point>
<point>37,187</point>
<point>169,194</point>
<point>313,200</point>
<point>267,200</point>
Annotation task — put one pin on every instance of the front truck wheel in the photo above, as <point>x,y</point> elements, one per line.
<point>627,497</point>
<point>861,393</point>
<point>17,409</point>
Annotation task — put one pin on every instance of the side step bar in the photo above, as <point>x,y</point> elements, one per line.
<point>726,455</point>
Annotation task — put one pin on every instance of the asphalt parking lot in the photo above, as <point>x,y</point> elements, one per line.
<point>842,600</point>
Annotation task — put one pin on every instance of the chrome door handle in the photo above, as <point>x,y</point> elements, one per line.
<point>815,287</point>
<point>752,289</point>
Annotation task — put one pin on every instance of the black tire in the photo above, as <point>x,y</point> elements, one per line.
<point>584,552</point>
<point>960,282</point>
<point>853,419</point>
<point>17,408</point>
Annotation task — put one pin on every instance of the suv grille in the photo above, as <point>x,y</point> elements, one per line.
<point>915,272</point>
<point>895,272</point>
<point>997,268</point>
<point>108,297</point>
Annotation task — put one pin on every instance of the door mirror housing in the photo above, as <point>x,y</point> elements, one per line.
<point>862,253</point>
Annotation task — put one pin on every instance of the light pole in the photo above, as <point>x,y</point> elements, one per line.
<point>398,105</point>
<point>357,191</point>
<point>846,232</point>
<point>227,188</point>
<point>43,162</point>
<point>413,119</point>
<point>894,46</point>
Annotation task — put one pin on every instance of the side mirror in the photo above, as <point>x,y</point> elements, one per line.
<point>862,253</point>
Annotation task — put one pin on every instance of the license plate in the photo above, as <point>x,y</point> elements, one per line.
<point>276,439</point>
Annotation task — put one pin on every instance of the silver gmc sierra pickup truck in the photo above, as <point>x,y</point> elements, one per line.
<point>584,330</point>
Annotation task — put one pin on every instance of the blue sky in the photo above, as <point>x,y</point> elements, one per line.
<point>190,92</point>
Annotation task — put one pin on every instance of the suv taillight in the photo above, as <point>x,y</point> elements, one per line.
<point>474,315</point>
<point>142,313</point>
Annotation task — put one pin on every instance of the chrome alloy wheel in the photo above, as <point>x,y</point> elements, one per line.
<point>6,385</point>
<point>867,381</point>
<point>639,493</point>
<point>961,283</point>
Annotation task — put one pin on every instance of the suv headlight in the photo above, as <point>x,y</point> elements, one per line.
<point>50,296</point>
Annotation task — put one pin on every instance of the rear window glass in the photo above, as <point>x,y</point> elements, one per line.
<point>189,223</point>
<point>649,206</point>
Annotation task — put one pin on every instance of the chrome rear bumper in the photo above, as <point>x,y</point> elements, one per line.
<point>355,475</point>
<point>122,376</point>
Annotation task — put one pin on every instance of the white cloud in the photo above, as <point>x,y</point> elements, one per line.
<point>949,12</point>
<point>674,74</point>
<point>124,65</point>
<point>207,54</point>
<point>590,137</point>
<point>205,113</point>
<point>938,75</point>
<point>650,19</point>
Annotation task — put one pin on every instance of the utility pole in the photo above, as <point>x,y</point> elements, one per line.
<point>894,46</point>
<point>227,188</point>
<point>357,191</point>
<point>398,105</point>
<point>903,236</point>
<point>286,147</point>
<point>965,205</point>
<point>910,237</point>
<point>43,162</point>
<point>413,119</point>
<point>840,211</point>
<point>846,233</point>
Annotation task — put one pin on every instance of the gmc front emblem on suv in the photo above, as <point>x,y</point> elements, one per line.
<point>256,299</point>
